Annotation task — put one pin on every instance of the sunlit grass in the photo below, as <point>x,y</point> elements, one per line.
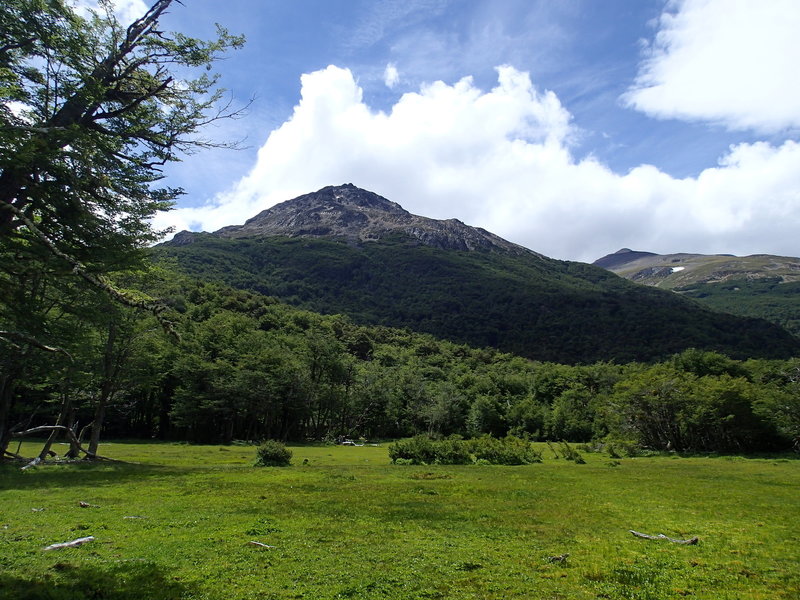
<point>344,523</point>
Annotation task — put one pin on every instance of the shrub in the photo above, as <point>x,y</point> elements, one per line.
<point>506,451</point>
<point>272,453</point>
<point>451,452</point>
<point>571,454</point>
<point>418,450</point>
<point>556,455</point>
<point>422,450</point>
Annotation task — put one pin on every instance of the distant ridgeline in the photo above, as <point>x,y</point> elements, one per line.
<point>761,285</point>
<point>349,251</point>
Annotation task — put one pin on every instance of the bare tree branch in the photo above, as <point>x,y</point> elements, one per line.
<point>661,536</point>
<point>32,341</point>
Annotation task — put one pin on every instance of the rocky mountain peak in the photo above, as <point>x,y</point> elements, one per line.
<point>621,256</point>
<point>357,215</point>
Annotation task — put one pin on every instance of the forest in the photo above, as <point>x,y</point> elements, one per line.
<point>242,366</point>
<point>522,303</point>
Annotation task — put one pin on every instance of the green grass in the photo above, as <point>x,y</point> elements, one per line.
<point>349,525</point>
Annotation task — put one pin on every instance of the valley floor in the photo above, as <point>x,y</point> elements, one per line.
<point>177,520</point>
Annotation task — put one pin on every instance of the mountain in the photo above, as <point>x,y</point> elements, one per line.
<point>350,213</point>
<point>346,250</point>
<point>760,285</point>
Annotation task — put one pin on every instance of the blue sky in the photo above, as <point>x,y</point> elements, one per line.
<point>573,127</point>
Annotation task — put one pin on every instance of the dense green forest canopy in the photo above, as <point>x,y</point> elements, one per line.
<point>530,305</point>
<point>768,298</point>
<point>249,367</point>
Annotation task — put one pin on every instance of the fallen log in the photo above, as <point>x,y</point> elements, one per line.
<point>70,435</point>
<point>661,536</point>
<point>259,544</point>
<point>72,544</point>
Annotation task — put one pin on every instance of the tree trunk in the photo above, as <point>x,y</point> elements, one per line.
<point>106,387</point>
<point>6,403</point>
<point>63,416</point>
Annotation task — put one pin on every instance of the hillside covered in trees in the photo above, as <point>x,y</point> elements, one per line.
<point>344,250</point>
<point>249,367</point>
<point>762,286</point>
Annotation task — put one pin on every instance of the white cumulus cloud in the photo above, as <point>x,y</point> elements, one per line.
<point>732,62</point>
<point>391,76</point>
<point>501,159</point>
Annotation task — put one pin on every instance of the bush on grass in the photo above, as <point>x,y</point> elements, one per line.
<point>571,454</point>
<point>421,450</point>
<point>509,450</point>
<point>451,452</point>
<point>418,450</point>
<point>272,453</point>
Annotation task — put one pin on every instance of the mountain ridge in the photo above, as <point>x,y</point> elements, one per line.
<point>759,285</point>
<point>675,270</point>
<point>366,257</point>
<point>358,216</point>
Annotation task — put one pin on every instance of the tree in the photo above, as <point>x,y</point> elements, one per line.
<point>90,112</point>
<point>780,402</point>
<point>723,416</point>
<point>648,404</point>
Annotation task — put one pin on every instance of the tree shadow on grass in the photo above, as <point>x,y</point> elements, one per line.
<point>123,581</point>
<point>78,474</point>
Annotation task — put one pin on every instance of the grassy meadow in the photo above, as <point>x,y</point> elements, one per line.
<point>175,521</point>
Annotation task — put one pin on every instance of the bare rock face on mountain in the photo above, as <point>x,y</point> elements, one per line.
<point>357,215</point>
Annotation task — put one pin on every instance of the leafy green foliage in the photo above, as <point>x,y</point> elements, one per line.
<point>487,450</point>
<point>767,298</point>
<point>249,367</point>
<point>529,305</point>
<point>90,109</point>
<point>509,450</point>
<point>272,453</point>
<point>572,454</point>
<point>422,450</point>
<point>664,408</point>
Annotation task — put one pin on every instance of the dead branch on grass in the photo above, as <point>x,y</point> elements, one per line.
<point>72,544</point>
<point>70,435</point>
<point>661,536</point>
